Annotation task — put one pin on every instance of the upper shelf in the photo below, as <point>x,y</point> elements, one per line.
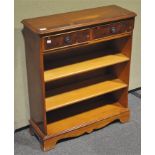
<point>83,66</point>
<point>77,19</point>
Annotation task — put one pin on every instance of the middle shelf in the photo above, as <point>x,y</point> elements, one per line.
<point>84,66</point>
<point>83,93</point>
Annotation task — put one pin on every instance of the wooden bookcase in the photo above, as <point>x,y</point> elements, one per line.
<point>78,71</point>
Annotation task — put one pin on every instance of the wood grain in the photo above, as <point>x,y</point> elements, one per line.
<point>84,36</point>
<point>90,42</point>
<point>77,19</point>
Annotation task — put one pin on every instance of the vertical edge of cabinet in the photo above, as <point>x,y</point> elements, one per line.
<point>123,71</point>
<point>34,64</point>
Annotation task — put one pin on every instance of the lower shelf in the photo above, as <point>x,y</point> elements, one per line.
<point>85,118</point>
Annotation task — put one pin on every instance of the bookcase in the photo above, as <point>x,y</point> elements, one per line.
<point>78,66</point>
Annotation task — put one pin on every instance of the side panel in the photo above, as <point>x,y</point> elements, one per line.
<point>34,62</point>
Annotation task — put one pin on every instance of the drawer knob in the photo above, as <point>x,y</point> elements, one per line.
<point>67,40</point>
<point>113,30</point>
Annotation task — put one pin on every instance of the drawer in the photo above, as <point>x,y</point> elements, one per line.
<point>82,36</point>
<point>113,28</point>
<point>66,39</point>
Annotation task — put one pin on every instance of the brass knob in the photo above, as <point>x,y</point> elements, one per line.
<point>67,39</point>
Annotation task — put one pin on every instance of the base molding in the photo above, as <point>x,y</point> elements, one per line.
<point>48,142</point>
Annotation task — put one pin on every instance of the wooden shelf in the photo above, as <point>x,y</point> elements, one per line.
<point>85,118</point>
<point>84,66</point>
<point>84,93</point>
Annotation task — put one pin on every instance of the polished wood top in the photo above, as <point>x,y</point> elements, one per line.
<point>76,19</point>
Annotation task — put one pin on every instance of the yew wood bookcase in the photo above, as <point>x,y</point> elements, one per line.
<point>78,67</point>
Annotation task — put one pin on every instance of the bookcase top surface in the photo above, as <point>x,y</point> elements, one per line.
<point>76,19</point>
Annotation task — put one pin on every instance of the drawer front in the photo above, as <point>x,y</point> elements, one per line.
<point>113,28</point>
<point>66,39</point>
<point>82,36</point>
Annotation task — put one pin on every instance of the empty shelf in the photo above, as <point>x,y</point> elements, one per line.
<point>85,118</point>
<point>80,94</point>
<point>83,66</point>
